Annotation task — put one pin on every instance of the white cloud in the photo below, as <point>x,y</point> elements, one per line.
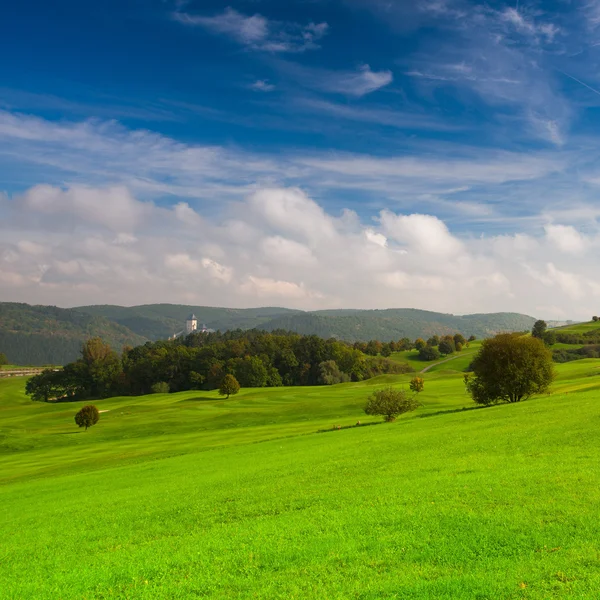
<point>285,249</point>
<point>258,32</point>
<point>262,85</point>
<point>357,83</point>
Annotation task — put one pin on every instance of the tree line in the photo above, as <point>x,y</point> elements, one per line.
<point>202,360</point>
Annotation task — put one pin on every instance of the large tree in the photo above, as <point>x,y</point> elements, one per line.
<point>510,368</point>
<point>539,328</point>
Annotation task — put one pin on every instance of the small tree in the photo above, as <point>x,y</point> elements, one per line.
<point>446,347</point>
<point>472,338</point>
<point>229,386</point>
<point>390,403</point>
<point>434,340</point>
<point>549,338</point>
<point>429,353</point>
<point>3,359</point>
<point>459,339</point>
<point>330,373</point>
<point>510,368</point>
<point>162,387</point>
<point>539,328</point>
<point>417,384</point>
<point>420,343</point>
<point>87,416</point>
<point>594,318</point>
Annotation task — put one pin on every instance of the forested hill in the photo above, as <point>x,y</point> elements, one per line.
<point>160,321</point>
<point>393,324</point>
<point>41,335</point>
<point>37,335</point>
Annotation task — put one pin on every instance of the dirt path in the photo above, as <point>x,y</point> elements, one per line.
<point>441,362</point>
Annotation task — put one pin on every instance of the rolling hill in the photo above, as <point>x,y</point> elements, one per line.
<point>41,335</point>
<point>38,335</point>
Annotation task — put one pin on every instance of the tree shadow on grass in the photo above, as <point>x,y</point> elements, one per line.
<point>203,399</point>
<point>68,432</point>
<point>336,428</point>
<point>450,411</point>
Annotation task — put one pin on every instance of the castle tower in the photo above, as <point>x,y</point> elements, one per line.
<point>191,324</point>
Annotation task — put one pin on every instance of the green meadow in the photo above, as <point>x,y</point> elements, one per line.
<point>190,495</point>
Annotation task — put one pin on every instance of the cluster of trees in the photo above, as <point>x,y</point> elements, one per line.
<point>437,346</point>
<point>202,361</point>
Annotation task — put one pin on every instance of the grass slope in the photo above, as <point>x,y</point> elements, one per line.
<point>187,495</point>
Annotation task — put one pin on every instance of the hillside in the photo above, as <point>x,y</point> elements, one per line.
<point>394,324</point>
<point>156,321</point>
<point>40,335</point>
<point>260,496</point>
<point>160,321</point>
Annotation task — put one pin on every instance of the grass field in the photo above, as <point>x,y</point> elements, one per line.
<point>189,495</point>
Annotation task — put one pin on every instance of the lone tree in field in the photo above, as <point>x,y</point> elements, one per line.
<point>510,368</point>
<point>87,416</point>
<point>417,384</point>
<point>539,328</point>
<point>229,386</point>
<point>390,403</point>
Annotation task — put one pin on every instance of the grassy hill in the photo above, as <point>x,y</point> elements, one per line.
<point>41,335</point>
<point>189,495</point>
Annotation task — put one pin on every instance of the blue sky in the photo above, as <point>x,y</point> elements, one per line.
<point>309,153</point>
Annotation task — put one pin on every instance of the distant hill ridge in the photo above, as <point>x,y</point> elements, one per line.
<point>37,335</point>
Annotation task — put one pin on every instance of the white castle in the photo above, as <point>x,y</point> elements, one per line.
<point>191,326</point>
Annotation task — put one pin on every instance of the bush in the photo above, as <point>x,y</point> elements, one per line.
<point>162,387</point>
<point>390,403</point>
<point>417,384</point>
<point>229,386</point>
<point>87,416</point>
<point>3,359</point>
<point>510,368</point>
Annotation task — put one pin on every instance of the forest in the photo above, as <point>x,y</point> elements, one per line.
<point>201,361</point>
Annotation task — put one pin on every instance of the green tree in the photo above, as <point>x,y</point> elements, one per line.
<point>45,387</point>
<point>539,328</point>
<point>429,353</point>
<point>229,386</point>
<point>549,337</point>
<point>434,340</point>
<point>459,339</point>
<point>330,373</point>
<point>472,338</point>
<point>386,349</point>
<point>417,384</point>
<point>510,368</point>
<point>87,416</point>
<point>160,387</point>
<point>3,359</point>
<point>420,343</point>
<point>595,318</point>
<point>445,347</point>
<point>390,403</point>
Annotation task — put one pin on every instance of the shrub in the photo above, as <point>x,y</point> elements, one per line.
<point>417,384</point>
<point>162,387</point>
<point>87,416</point>
<point>510,368</point>
<point>229,386</point>
<point>3,359</point>
<point>390,403</point>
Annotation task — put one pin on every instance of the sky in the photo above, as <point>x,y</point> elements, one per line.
<point>440,154</point>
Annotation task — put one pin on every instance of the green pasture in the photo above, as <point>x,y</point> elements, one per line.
<point>193,496</point>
